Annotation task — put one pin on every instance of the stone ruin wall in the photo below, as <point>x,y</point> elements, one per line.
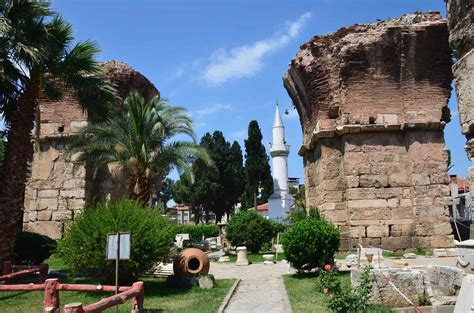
<point>372,101</point>
<point>461,40</point>
<point>57,190</point>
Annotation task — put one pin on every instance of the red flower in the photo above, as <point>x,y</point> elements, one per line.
<point>325,290</point>
<point>327,267</point>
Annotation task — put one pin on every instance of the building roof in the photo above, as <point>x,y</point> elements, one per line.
<point>184,208</point>
<point>463,184</point>
<point>262,207</point>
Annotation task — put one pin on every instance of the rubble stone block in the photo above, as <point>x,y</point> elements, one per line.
<point>357,204</point>
<point>47,204</point>
<point>403,242</point>
<point>376,181</point>
<point>377,231</point>
<point>352,181</point>
<point>410,282</point>
<point>62,216</point>
<point>48,193</point>
<point>48,228</point>
<point>442,241</point>
<point>465,301</point>
<point>44,215</point>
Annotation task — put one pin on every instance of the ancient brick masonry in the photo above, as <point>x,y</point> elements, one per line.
<point>461,39</point>
<point>372,101</point>
<point>57,190</point>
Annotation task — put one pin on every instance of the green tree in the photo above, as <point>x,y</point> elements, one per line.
<point>141,138</point>
<point>216,188</point>
<point>198,189</point>
<point>299,196</point>
<point>258,179</point>
<point>250,229</point>
<point>235,170</point>
<point>165,193</point>
<point>37,57</point>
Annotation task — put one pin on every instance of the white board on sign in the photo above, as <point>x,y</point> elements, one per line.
<point>124,251</point>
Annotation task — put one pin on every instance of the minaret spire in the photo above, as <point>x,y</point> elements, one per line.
<point>280,201</point>
<point>277,121</point>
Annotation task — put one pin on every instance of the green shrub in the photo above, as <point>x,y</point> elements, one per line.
<point>84,244</point>
<point>197,232</point>
<point>344,299</point>
<point>310,243</point>
<point>250,229</point>
<point>278,228</point>
<point>297,215</point>
<point>32,249</point>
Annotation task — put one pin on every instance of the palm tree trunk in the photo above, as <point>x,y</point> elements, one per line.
<point>15,170</point>
<point>139,189</point>
<point>144,194</point>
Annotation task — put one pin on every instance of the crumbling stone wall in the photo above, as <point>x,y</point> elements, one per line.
<point>57,190</point>
<point>461,39</point>
<point>372,101</point>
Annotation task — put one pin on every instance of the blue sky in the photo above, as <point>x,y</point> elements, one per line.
<point>224,60</point>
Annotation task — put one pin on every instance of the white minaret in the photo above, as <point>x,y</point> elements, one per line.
<point>280,201</point>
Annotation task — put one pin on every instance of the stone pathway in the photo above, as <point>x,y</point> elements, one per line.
<point>261,288</point>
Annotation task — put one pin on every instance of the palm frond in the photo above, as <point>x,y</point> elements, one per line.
<point>80,59</point>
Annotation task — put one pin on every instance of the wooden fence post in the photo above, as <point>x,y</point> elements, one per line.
<point>137,301</point>
<point>73,308</point>
<point>7,268</point>
<point>43,272</point>
<point>51,295</point>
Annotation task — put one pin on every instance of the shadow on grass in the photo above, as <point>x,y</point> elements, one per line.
<point>153,288</point>
<point>13,295</point>
<point>304,275</point>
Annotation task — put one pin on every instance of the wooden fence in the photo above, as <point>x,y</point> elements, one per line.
<point>17,271</point>
<point>51,288</point>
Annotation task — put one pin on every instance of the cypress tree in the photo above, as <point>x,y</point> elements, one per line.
<point>215,188</point>
<point>235,170</point>
<point>258,179</point>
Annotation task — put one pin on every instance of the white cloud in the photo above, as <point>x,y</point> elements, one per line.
<point>247,60</point>
<point>211,109</point>
<point>239,134</point>
<point>199,124</point>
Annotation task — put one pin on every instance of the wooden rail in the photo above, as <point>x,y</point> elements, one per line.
<point>52,287</point>
<point>136,293</point>
<point>16,271</point>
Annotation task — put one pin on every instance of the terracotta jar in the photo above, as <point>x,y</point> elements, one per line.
<point>191,262</point>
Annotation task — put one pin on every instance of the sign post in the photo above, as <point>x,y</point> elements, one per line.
<point>118,248</point>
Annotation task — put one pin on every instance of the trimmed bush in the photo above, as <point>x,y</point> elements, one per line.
<point>310,243</point>
<point>32,248</point>
<point>278,228</point>
<point>197,232</point>
<point>250,229</point>
<point>84,244</point>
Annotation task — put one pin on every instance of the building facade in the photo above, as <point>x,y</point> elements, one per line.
<point>372,101</point>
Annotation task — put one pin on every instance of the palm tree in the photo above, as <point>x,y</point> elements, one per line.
<point>37,58</point>
<point>140,137</point>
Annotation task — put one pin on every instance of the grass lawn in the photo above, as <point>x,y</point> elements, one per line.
<point>257,257</point>
<point>158,297</point>
<point>304,295</point>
